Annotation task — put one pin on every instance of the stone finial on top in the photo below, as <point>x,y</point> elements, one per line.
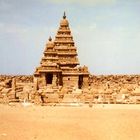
<point>50,39</point>
<point>64,16</point>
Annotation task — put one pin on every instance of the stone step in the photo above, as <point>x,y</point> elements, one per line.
<point>13,100</point>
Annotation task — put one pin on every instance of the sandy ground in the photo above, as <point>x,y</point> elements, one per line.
<point>101,122</point>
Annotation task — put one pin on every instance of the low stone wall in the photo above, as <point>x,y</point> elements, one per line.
<point>115,82</point>
<point>19,78</point>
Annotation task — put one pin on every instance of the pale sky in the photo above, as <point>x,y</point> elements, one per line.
<point>106,33</point>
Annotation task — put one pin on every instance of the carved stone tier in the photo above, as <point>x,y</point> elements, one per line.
<point>62,47</point>
<point>51,53</point>
<point>67,53</point>
<point>68,63</point>
<point>64,41</point>
<point>50,58</point>
<point>63,36</point>
<point>64,32</point>
<point>49,70</point>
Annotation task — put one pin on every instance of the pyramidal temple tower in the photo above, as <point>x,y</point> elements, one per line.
<point>59,65</point>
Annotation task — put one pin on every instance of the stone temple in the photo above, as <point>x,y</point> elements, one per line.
<point>59,65</point>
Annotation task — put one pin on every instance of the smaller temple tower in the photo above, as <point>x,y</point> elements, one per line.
<point>59,66</point>
<point>49,71</point>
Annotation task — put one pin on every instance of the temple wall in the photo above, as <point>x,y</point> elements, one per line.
<point>85,82</point>
<point>70,81</point>
<point>41,81</point>
<point>54,80</point>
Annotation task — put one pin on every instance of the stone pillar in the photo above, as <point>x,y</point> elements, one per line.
<point>43,78</point>
<point>13,84</point>
<point>14,87</point>
<point>35,84</point>
<point>41,81</point>
<point>54,80</point>
<point>85,82</point>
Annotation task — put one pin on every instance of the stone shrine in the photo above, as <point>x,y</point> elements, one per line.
<point>59,66</point>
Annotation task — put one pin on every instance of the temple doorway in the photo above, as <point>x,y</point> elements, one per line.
<point>49,78</point>
<point>80,81</point>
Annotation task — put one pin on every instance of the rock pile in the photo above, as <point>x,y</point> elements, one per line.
<point>101,89</point>
<point>19,78</point>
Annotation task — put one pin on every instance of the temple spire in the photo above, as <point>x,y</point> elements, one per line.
<point>64,16</point>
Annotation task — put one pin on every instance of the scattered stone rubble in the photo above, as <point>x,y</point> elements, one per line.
<point>102,89</point>
<point>19,78</point>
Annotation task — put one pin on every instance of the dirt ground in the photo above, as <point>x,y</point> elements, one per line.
<point>101,122</point>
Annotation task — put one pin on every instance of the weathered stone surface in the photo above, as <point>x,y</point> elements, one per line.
<point>38,99</point>
<point>69,98</point>
<point>8,83</point>
<point>51,98</point>
<point>19,78</point>
<point>77,91</point>
<point>5,91</point>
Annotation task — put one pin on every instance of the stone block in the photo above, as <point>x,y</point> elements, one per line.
<point>69,98</point>
<point>50,98</point>
<point>37,100</point>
